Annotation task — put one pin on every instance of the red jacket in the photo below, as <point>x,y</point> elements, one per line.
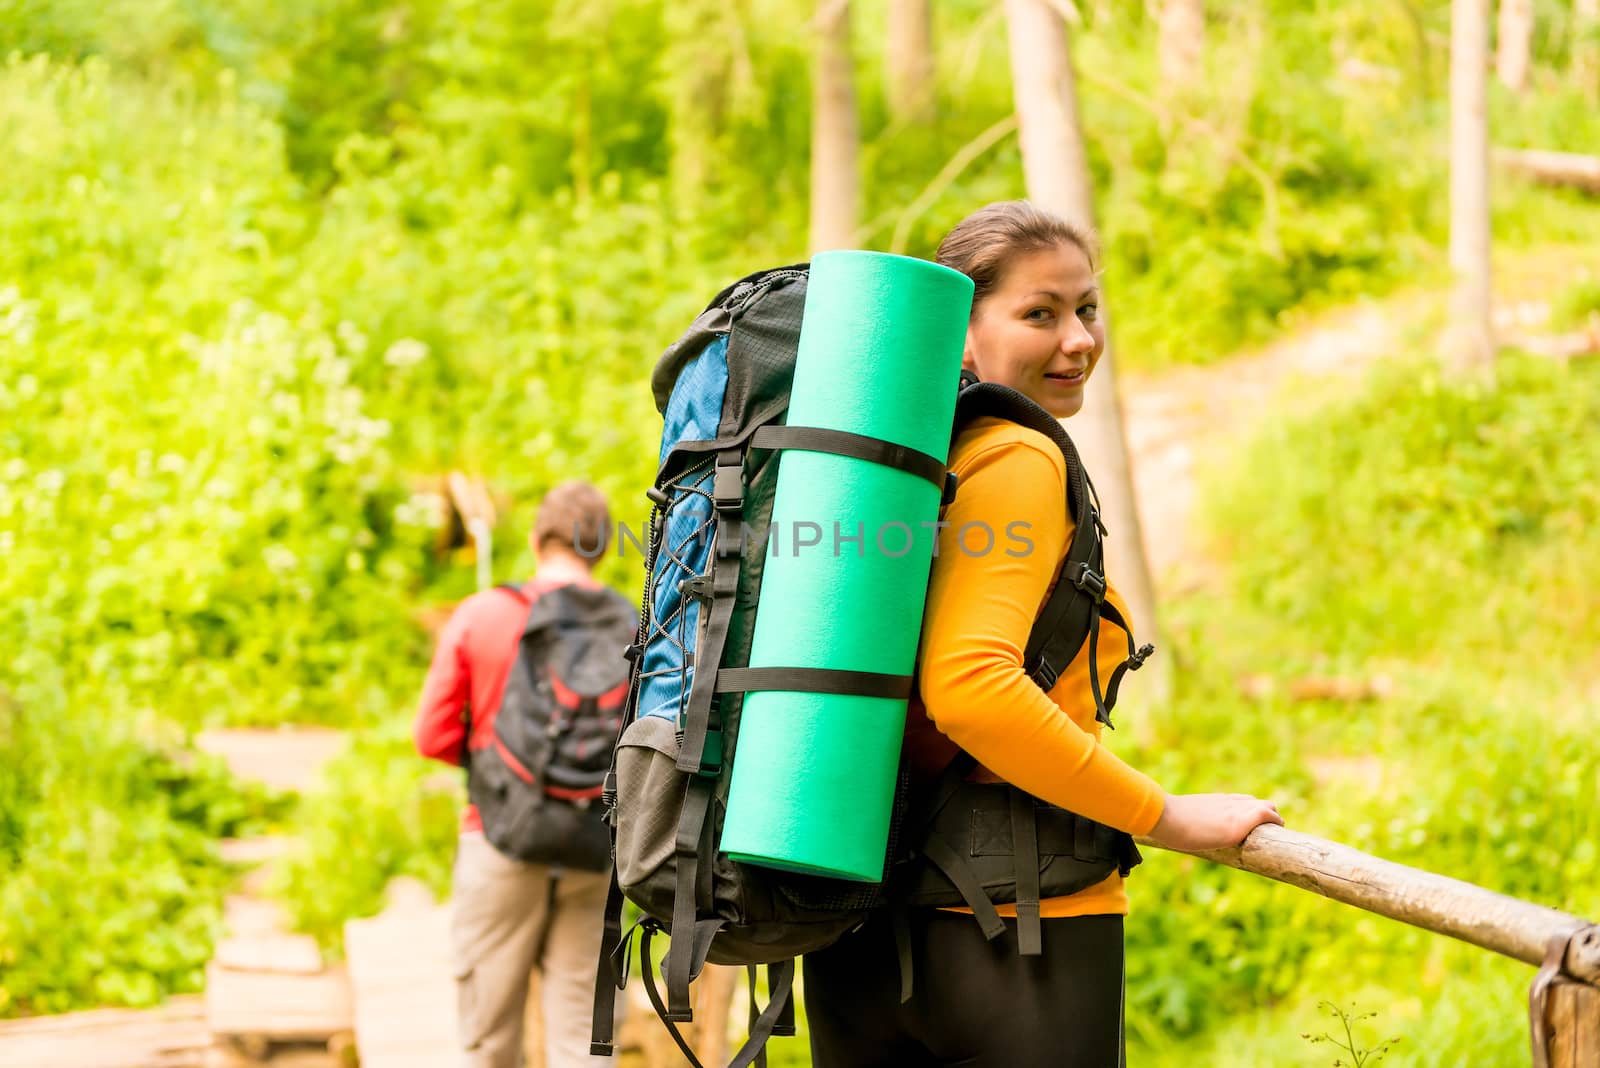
<point>470,666</point>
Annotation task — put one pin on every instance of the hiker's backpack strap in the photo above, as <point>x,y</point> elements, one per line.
<point>610,974</point>
<point>1072,613</point>
<point>700,752</point>
<point>855,446</point>
<point>464,758</point>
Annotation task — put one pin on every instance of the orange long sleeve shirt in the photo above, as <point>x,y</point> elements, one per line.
<point>981,606</point>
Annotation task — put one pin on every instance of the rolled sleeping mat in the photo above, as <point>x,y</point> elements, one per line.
<point>814,772</point>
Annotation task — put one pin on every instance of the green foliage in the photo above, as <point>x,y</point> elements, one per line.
<point>1458,520</point>
<point>110,883</point>
<point>1577,305</point>
<point>381,812</point>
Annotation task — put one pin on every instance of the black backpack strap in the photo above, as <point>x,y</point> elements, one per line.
<point>1072,613</point>
<point>946,859</point>
<point>856,446</point>
<point>815,680</point>
<point>699,737</point>
<point>647,970</point>
<point>776,1019</point>
<point>610,975</point>
<point>1025,847</point>
<point>727,497</point>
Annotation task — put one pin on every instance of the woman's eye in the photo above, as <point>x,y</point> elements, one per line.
<point>1038,315</point>
<point>1088,311</point>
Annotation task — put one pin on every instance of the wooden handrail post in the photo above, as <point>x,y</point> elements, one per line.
<point>1507,925</point>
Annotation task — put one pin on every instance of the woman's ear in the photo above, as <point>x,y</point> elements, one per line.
<point>968,360</point>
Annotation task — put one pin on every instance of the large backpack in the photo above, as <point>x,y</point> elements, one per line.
<point>722,390</point>
<point>538,783</point>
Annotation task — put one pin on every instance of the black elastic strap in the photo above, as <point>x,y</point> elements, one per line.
<point>955,869</point>
<point>856,446</point>
<point>650,989</point>
<point>1025,854</point>
<point>608,978</point>
<point>780,1004</point>
<point>814,680</point>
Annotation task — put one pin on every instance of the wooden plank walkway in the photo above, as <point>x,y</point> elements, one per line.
<point>401,982</point>
<point>173,1035</point>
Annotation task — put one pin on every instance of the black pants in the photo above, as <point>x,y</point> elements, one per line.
<point>974,1003</point>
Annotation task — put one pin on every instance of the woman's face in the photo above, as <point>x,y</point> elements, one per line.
<point>1039,328</point>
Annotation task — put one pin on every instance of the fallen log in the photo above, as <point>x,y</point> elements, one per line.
<point>1570,170</point>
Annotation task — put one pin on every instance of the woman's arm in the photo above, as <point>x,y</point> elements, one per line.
<point>981,607</point>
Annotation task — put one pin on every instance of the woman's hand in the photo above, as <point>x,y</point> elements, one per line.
<point>1192,822</point>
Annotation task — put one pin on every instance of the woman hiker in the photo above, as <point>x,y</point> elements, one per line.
<point>1035,327</point>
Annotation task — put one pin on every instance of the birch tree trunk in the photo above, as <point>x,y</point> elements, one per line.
<point>1181,47</point>
<point>911,84</point>
<point>1057,173</point>
<point>1514,43</point>
<point>1586,46</point>
<point>835,133</point>
<point>1470,342</point>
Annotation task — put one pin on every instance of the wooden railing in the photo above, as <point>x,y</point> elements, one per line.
<point>1564,1001</point>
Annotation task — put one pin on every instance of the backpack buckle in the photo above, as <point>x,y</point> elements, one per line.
<point>1045,677</point>
<point>1089,581</point>
<point>727,489</point>
<point>711,757</point>
<point>950,482</point>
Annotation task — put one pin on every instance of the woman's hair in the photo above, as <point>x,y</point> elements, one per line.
<point>573,516</point>
<point>983,244</point>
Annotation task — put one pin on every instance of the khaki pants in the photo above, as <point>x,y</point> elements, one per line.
<point>510,919</point>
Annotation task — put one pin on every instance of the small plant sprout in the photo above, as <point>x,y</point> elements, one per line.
<point>1359,1054</point>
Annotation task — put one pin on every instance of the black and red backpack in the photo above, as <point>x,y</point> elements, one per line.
<point>537,784</point>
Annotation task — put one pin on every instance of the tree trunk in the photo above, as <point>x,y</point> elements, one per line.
<point>1514,44</point>
<point>1471,340</point>
<point>1182,43</point>
<point>1057,172</point>
<point>1586,46</point>
<point>699,78</point>
<point>912,87</point>
<point>835,136</point>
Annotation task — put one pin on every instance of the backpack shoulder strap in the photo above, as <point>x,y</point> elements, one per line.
<point>1071,615</point>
